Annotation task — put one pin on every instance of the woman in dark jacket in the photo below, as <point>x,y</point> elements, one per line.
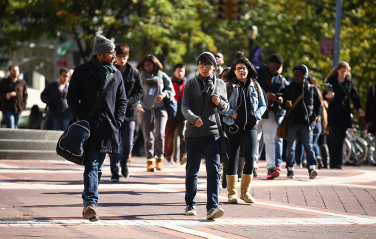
<point>339,110</point>
<point>246,107</point>
<point>133,90</point>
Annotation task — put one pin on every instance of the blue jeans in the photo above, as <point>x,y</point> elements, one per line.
<point>299,146</point>
<point>210,146</point>
<point>278,151</point>
<point>293,134</point>
<point>92,175</point>
<point>11,119</point>
<point>59,122</point>
<point>126,144</point>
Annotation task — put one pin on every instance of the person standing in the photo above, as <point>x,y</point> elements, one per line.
<point>272,83</point>
<point>371,110</point>
<point>246,107</point>
<point>153,113</point>
<point>201,95</point>
<point>302,119</point>
<point>55,96</point>
<point>13,97</point>
<point>133,90</point>
<point>339,110</point>
<point>177,123</point>
<point>87,83</point>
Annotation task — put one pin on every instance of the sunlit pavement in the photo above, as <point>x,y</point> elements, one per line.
<point>43,199</point>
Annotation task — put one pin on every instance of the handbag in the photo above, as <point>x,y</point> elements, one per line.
<point>223,138</point>
<point>71,144</point>
<point>171,106</point>
<point>282,128</point>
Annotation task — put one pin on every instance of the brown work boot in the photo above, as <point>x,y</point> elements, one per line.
<point>159,163</point>
<point>90,213</point>
<point>150,165</point>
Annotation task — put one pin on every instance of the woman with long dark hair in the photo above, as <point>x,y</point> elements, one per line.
<point>339,110</point>
<point>246,107</point>
<point>153,113</point>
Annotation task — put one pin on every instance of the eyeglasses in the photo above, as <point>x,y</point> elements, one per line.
<point>202,66</point>
<point>112,53</point>
<point>122,57</point>
<point>241,69</point>
<point>148,66</point>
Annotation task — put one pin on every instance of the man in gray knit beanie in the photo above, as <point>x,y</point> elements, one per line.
<point>102,45</point>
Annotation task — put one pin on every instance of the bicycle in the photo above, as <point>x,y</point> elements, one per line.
<point>355,148</point>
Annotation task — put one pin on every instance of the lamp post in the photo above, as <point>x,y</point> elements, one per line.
<point>252,34</point>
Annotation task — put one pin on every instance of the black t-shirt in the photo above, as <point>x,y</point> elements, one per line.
<point>299,108</point>
<point>244,108</point>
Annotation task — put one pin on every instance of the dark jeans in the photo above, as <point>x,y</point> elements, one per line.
<point>299,150</point>
<point>248,138</point>
<point>210,146</point>
<point>126,144</point>
<point>293,133</point>
<point>59,122</point>
<point>11,119</point>
<point>92,176</point>
<point>325,157</point>
<point>338,137</point>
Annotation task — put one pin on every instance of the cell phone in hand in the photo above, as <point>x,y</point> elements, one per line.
<point>279,94</point>
<point>328,87</point>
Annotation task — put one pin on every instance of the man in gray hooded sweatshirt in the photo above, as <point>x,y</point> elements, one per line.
<point>201,95</point>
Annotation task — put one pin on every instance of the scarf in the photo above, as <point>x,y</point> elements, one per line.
<point>208,83</point>
<point>151,79</point>
<point>104,70</point>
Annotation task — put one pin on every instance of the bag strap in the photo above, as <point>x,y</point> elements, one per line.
<point>293,105</point>
<point>219,125</point>
<point>108,82</point>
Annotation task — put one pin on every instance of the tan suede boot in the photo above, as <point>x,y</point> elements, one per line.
<point>159,163</point>
<point>246,181</point>
<point>232,182</point>
<point>150,165</point>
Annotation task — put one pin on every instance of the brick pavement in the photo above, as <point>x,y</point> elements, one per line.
<point>43,199</point>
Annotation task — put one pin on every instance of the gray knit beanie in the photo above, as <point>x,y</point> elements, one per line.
<point>210,55</point>
<point>102,45</point>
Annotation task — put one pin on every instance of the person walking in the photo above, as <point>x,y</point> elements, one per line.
<point>177,123</point>
<point>339,111</point>
<point>55,96</point>
<point>13,97</point>
<point>201,94</point>
<point>153,113</point>
<point>246,107</point>
<point>87,83</point>
<point>299,149</point>
<point>301,121</point>
<point>271,82</point>
<point>133,90</point>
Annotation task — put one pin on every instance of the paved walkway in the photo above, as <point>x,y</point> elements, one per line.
<point>43,199</point>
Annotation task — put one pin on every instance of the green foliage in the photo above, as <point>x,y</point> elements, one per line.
<point>177,31</point>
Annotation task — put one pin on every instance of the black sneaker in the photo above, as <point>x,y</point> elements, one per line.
<point>115,174</point>
<point>190,210</point>
<point>272,173</point>
<point>255,173</point>
<point>214,213</point>
<point>124,168</point>
<point>290,174</point>
<point>312,173</point>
